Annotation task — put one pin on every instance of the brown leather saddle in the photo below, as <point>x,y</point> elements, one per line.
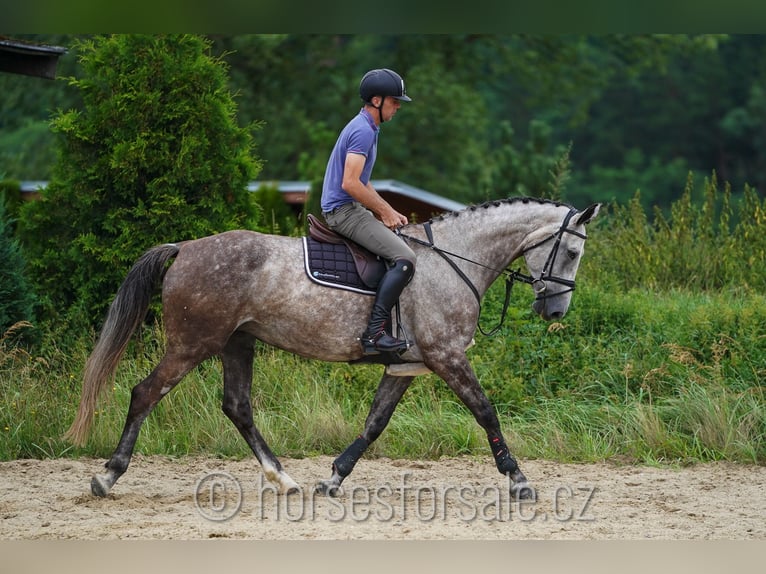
<point>335,261</point>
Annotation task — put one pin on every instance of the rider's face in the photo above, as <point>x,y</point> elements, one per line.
<point>390,107</point>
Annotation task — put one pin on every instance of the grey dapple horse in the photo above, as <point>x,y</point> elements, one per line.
<point>221,294</point>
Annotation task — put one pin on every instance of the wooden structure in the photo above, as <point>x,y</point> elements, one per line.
<point>405,198</point>
<point>17,57</point>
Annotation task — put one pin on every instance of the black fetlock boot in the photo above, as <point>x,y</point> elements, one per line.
<point>375,339</point>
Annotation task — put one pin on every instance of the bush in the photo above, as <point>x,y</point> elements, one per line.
<point>10,197</point>
<point>155,156</point>
<point>276,215</point>
<point>701,245</point>
<point>16,296</point>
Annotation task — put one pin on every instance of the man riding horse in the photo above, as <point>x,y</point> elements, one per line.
<point>350,203</point>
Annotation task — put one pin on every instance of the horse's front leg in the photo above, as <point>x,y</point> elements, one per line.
<point>460,377</point>
<point>389,393</point>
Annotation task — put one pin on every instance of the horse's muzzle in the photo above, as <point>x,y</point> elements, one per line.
<point>551,306</point>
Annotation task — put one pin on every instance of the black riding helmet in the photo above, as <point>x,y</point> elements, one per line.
<point>384,83</point>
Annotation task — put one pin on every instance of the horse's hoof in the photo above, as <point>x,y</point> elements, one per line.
<point>288,486</point>
<point>523,492</point>
<point>99,486</point>
<point>327,488</point>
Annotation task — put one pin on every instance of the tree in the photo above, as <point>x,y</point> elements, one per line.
<point>491,113</point>
<point>155,155</point>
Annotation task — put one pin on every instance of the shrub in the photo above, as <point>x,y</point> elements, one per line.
<point>16,296</point>
<point>155,156</point>
<point>701,245</point>
<point>276,215</point>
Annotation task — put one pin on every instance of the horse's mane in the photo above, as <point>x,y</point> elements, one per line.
<point>498,203</point>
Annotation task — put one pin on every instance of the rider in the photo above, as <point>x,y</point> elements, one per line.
<point>353,208</point>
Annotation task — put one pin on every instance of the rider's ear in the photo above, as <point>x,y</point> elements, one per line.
<point>587,215</point>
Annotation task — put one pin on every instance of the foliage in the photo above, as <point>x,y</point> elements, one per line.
<point>276,215</point>
<point>10,197</point>
<point>28,151</point>
<point>154,156</point>
<point>635,172</point>
<point>701,245</point>
<point>490,112</point>
<point>17,299</point>
<point>312,205</point>
<point>703,110</point>
<point>455,168</point>
<point>297,86</point>
<point>616,378</point>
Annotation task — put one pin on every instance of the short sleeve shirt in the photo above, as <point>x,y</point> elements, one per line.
<point>360,136</point>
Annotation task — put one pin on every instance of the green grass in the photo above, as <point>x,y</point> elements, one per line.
<point>656,378</point>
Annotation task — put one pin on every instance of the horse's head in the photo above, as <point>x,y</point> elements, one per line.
<point>553,261</point>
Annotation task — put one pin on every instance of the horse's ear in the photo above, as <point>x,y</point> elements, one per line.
<point>587,215</point>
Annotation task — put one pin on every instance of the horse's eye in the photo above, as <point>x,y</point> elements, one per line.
<point>572,254</point>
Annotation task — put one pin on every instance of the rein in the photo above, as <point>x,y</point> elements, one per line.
<point>511,275</point>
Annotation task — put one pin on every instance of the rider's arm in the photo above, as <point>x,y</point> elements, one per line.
<point>366,194</point>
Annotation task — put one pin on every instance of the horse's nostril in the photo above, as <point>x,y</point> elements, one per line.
<point>557,315</point>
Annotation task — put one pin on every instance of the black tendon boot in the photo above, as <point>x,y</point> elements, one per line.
<point>375,339</point>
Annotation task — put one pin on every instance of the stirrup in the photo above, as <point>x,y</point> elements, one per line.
<point>383,343</point>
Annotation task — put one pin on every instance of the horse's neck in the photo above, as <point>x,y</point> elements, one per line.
<point>496,234</point>
<point>498,231</point>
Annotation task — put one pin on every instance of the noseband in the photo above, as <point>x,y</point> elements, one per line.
<point>539,284</point>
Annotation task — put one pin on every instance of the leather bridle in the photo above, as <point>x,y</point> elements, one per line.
<point>546,274</point>
<point>539,284</point>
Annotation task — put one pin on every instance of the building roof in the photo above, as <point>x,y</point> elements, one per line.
<point>18,57</point>
<point>405,198</point>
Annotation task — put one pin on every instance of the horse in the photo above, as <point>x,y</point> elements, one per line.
<point>223,293</point>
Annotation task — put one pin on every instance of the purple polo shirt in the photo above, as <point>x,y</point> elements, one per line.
<point>359,136</point>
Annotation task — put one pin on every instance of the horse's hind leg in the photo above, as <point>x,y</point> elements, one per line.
<point>237,359</point>
<point>144,397</point>
<point>389,393</point>
<point>460,377</point>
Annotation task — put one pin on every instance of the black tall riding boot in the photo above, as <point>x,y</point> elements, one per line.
<point>375,339</point>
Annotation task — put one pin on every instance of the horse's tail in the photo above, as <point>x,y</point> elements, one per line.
<point>126,313</point>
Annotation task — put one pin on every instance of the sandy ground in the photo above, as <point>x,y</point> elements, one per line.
<point>455,498</point>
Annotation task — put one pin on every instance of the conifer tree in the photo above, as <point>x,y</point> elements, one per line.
<point>154,156</point>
